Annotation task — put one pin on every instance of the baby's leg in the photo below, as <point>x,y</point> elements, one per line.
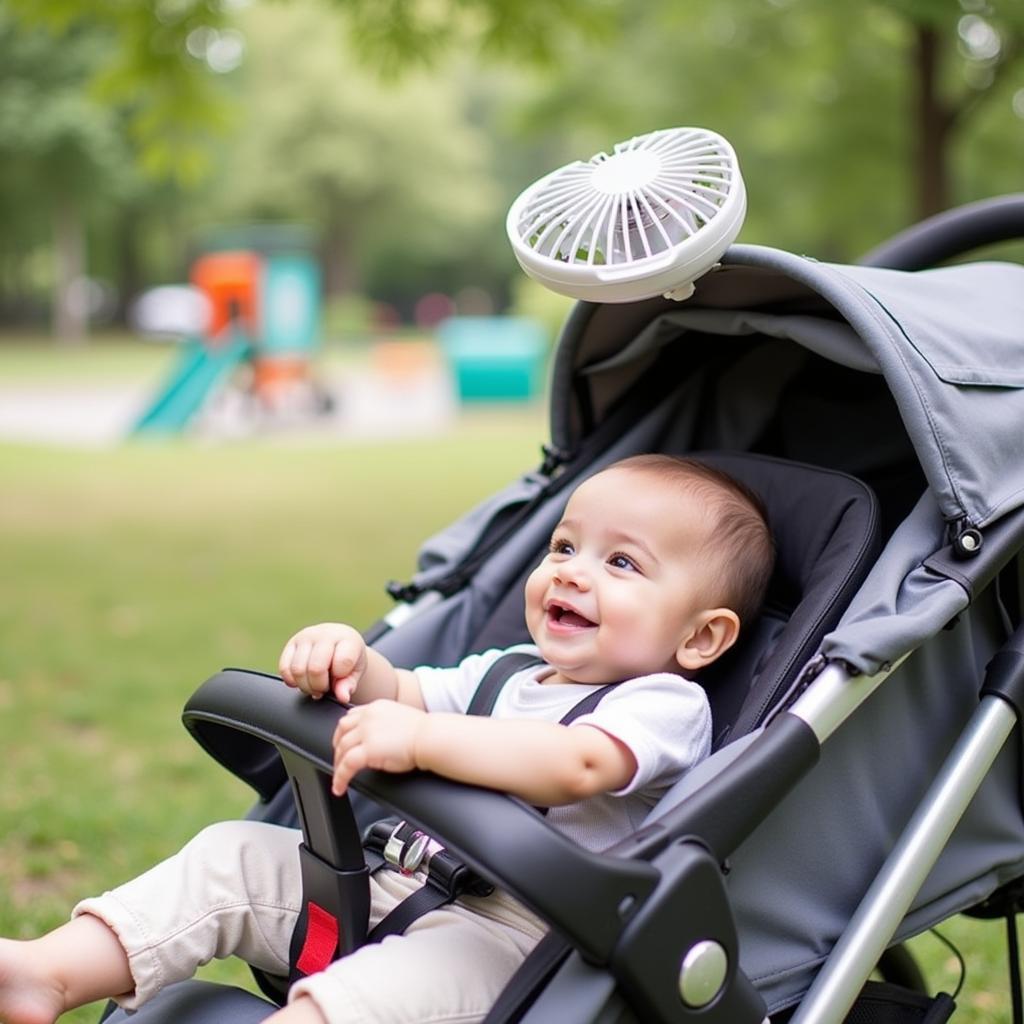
<point>78,963</point>
<point>448,968</point>
<point>235,889</point>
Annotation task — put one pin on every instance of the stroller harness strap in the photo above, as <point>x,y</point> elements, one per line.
<point>402,847</point>
<point>503,669</point>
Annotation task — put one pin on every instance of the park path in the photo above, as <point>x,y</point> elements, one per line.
<point>365,404</point>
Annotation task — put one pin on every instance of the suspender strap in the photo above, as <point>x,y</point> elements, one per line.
<point>587,704</point>
<point>533,972</point>
<point>495,678</point>
<point>504,667</point>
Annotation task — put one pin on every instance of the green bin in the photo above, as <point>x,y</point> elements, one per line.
<point>494,358</point>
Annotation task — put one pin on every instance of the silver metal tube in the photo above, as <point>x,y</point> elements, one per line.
<point>887,900</point>
<point>834,695</point>
<point>405,611</point>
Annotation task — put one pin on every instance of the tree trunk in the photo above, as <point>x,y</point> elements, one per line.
<point>70,315</point>
<point>340,273</point>
<point>129,277</point>
<point>932,127</point>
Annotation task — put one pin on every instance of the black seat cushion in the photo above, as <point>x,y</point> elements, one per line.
<point>827,537</point>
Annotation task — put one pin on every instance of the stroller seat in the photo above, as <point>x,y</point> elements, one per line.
<point>826,528</point>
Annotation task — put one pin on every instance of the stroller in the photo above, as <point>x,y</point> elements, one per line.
<point>866,777</point>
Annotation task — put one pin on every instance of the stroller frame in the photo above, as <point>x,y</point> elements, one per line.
<point>886,903</point>
<point>681,855</point>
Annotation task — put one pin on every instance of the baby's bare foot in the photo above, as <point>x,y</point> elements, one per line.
<point>27,995</point>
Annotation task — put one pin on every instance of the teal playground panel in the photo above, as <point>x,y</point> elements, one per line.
<point>291,306</point>
<point>494,358</point>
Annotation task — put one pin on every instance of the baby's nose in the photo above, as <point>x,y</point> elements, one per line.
<point>573,573</point>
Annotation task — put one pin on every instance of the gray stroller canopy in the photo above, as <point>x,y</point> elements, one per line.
<point>949,344</point>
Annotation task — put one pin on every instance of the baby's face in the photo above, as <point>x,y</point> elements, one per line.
<point>623,582</point>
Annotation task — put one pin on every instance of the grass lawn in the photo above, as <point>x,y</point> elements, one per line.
<point>131,574</point>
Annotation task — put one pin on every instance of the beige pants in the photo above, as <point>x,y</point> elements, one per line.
<point>235,890</point>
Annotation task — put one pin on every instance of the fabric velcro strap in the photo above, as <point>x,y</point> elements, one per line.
<point>321,940</point>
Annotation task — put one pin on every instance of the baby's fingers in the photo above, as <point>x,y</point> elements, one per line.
<point>353,760</point>
<point>298,666</point>
<point>344,687</point>
<point>345,723</point>
<point>284,663</point>
<point>318,667</point>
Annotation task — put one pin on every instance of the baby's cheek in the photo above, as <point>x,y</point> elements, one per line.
<point>534,592</point>
<point>628,642</point>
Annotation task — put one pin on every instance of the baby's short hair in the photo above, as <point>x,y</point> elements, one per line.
<point>740,541</point>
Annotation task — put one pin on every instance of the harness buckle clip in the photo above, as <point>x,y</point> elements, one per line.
<point>406,847</point>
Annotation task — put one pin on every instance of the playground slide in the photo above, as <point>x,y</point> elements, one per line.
<point>197,372</point>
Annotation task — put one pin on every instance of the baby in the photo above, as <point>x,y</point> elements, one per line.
<point>653,567</point>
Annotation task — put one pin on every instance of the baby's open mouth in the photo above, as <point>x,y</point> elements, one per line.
<point>567,618</point>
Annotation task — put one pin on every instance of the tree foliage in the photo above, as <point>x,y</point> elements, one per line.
<point>822,99</point>
<point>149,71</point>
<point>403,136</point>
<point>369,164</point>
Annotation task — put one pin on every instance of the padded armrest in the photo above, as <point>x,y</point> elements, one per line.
<point>242,718</point>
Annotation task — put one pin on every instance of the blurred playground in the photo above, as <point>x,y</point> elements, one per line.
<point>392,387</point>
<point>240,351</point>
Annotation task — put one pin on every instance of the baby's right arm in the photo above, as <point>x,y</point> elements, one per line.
<point>333,656</point>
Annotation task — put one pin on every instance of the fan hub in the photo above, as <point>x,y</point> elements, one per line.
<point>626,171</point>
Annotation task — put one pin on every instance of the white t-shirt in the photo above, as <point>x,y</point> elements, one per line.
<point>663,719</point>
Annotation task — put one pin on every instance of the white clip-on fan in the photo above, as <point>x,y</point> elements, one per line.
<point>647,220</point>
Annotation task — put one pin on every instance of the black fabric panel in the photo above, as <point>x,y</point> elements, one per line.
<point>826,529</point>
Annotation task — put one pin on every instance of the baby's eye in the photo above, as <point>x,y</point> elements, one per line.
<point>621,561</point>
<point>560,546</point>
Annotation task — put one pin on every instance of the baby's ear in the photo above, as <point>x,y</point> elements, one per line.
<point>712,634</point>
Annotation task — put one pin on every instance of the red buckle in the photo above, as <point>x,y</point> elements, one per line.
<point>321,941</point>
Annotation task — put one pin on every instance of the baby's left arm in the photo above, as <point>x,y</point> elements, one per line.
<point>541,762</point>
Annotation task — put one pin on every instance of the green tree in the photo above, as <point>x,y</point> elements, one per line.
<point>829,103</point>
<point>74,153</point>
<point>151,71</point>
<point>371,164</point>
<point>962,62</point>
<point>851,118</point>
<point>60,152</point>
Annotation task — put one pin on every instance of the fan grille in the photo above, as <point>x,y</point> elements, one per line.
<point>652,193</point>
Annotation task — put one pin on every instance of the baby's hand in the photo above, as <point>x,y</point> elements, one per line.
<point>381,734</point>
<point>330,656</point>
